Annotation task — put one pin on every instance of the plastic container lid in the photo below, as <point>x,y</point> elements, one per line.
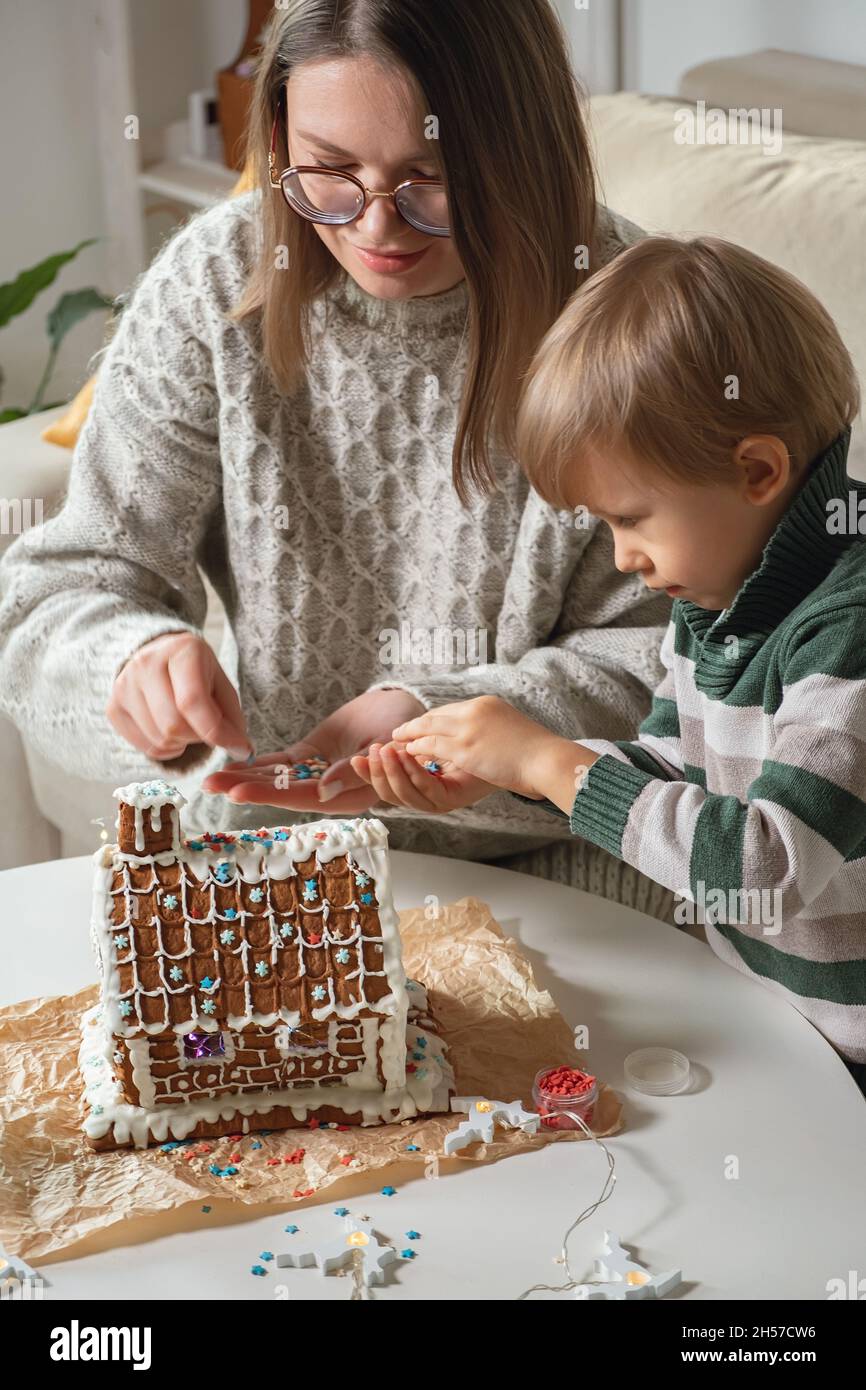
<point>657,1071</point>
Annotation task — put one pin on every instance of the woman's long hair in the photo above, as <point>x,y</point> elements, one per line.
<point>516,162</point>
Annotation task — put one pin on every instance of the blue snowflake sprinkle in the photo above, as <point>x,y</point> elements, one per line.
<point>169,900</point>
<point>361,879</point>
<point>208,1006</point>
<point>125,1008</point>
<point>262,969</point>
<point>420,1042</point>
<point>311,890</point>
<point>256,895</point>
<point>227,936</point>
<point>343,955</point>
<point>319,992</point>
<point>417,1056</point>
<point>176,973</point>
<point>256,1145</point>
<point>286,929</point>
<point>121,942</point>
<point>96,1109</point>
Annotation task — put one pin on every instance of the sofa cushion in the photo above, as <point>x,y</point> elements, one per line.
<point>803,208</point>
<point>815,95</point>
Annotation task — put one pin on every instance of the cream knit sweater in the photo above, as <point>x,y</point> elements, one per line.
<point>323,521</point>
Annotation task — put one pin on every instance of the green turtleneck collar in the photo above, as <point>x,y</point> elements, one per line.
<point>800,553</point>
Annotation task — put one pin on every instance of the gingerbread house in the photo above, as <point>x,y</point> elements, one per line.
<point>249,981</point>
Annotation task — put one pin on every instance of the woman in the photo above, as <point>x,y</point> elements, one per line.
<point>310,396</point>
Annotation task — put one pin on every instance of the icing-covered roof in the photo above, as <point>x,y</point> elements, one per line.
<point>287,924</point>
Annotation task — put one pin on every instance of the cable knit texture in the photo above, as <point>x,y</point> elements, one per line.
<point>323,520</point>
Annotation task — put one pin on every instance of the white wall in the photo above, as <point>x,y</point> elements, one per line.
<point>593,28</point>
<point>49,174</point>
<point>50,167</point>
<point>663,38</point>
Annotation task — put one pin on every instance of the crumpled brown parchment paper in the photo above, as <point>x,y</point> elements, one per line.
<point>57,1193</point>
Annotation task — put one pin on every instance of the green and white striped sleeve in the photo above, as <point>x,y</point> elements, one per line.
<point>802,816</point>
<point>658,747</point>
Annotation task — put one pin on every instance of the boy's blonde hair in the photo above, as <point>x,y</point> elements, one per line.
<point>676,351</point>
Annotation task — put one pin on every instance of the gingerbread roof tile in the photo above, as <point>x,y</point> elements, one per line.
<point>289,924</point>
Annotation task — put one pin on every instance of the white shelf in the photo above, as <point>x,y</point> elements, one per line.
<point>196,182</point>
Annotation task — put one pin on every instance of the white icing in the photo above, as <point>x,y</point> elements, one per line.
<point>427,1094</point>
<point>152,796</point>
<point>256,861</point>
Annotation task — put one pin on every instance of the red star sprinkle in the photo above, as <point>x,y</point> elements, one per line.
<point>320,835</point>
<point>346,1159</point>
<point>314,938</point>
<point>344,1128</point>
<point>410,1066</point>
<point>234,1158</point>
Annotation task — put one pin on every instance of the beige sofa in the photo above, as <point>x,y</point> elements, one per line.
<point>804,207</point>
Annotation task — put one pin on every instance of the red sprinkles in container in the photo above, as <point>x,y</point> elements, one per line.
<point>559,1089</point>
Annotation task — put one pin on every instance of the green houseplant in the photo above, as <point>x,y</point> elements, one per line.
<point>18,294</point>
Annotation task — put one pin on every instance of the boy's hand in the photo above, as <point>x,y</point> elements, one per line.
<point>400,780</point>
<point>492,741</point>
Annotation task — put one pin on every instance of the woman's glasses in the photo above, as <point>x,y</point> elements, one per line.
<point>335,199</point>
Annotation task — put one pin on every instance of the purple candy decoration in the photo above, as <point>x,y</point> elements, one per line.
<point>203,1045</point>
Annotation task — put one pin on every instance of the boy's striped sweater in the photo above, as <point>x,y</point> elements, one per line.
<point>746,786</point>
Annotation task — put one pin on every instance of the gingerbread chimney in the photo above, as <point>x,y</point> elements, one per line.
<point>148,819</point>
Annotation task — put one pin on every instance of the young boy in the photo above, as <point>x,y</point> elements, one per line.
<point>698,400</point>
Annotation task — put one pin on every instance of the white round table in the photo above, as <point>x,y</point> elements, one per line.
<point>770,1101</point>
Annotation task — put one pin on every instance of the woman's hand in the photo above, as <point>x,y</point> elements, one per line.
<point>173,694</point>
<point>340,791</point>
<point>400,780</point>
<point>489,740</point>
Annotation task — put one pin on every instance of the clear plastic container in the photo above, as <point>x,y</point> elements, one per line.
<point>657,1071</point>
<point>552,1106</point>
